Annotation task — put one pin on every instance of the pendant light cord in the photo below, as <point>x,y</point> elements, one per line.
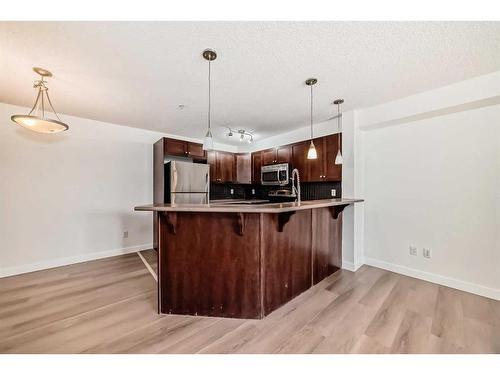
<point>311,112</point>
<point>339,122</point>
<point>209,98</point>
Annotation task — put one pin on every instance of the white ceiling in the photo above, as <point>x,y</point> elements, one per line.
<point>137,73</point>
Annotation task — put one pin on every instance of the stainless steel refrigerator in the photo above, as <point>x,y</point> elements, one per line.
<point>186,182</point>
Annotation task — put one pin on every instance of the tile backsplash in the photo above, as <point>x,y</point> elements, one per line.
<point>309,190</point>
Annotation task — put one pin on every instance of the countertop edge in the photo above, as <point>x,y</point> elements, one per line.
<point>276,207</point>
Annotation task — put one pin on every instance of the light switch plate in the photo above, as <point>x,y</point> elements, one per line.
<point>427,253</point>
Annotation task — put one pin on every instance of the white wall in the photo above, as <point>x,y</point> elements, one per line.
<point>436,183</point>
<point>69,197</point>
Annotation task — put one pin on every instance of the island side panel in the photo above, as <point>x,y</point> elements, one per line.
<point>286,257</point>
<point>209,264</point>
<point>327,243</point>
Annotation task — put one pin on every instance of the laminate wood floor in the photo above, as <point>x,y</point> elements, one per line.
<point>109,306</point>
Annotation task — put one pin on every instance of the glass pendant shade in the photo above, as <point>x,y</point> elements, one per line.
<point>36,120</point>
<point>338,159</point>
<point>40,125</point>
<point>311,153</point>
<point>208,142</point>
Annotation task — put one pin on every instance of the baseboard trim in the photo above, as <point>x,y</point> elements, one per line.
<point>350,266</point>
<point>18,270</point>
<point>435,278</point>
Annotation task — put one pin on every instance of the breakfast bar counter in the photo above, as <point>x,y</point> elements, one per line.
<point>238,260</point>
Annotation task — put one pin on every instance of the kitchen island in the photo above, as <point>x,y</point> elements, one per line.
<point>231,259</point>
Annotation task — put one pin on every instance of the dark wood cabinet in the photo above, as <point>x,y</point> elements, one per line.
<point>211,158</point>
<point>332,171</point>
<point>195,150</point>
<point>176,147</point>
<point>243,168</point>
<point>326,243</point>
<point>222,166</point>
<point>269,156</point>
<point>284,154</point>
<point>281,154</point>
<point>256,165</point>
<point>321,169</point>
<point>299,158</point>
<point>315,167</point>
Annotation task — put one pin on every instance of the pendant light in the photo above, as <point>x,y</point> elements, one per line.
<point>208,143</point>
<point>338,159</point>
<point>38,122</point>
<point>311,153</point>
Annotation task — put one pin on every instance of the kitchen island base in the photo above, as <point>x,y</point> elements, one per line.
<point>241,264</point>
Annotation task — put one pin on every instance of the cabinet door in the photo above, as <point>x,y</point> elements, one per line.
<point>211,160</point>
<point>333,172</point>
<point>284,154</point>
<point>269,156</point>
<point>315,166</point>
<point>225,166</point>
<point>175,147</point>
<point>195,150</point>
<point>243,168</point>
<point>299,155</point>
<point>256,165</point>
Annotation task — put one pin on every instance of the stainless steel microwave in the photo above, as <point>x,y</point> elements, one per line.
<point>276,174</point>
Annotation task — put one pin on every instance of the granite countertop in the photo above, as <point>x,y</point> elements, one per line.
<point>227,206</point>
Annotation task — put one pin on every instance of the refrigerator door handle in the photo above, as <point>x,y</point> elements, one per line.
<point>174,178</point>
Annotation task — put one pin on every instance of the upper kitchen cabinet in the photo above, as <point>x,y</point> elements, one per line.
<point>333,172</point>
<point>243,168</point>
<point>268,156</point>
<point>281,154</point>
<point>176,147</point>
<point>195,150</point>
<point>284,154</point>
<point>222,166</point>
<point>256,165</point>
<point>321,169</point>
<point>299,158</point>
<point>315,168</point>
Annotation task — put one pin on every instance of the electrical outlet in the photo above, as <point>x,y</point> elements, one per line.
<point>232,191</point>
<point>427,253</point>
<point>334,192</point>
<point>253,191</point>
<point>125,234</point>
<point>413,250</point>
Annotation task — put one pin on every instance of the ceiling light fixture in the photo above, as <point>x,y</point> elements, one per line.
<point>38,122</point>
<point>339,159</point>
<point>242,132</point>
<point>208,143</point>
<point>311,153</point>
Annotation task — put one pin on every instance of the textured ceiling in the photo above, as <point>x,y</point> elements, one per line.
<point>138,73</point>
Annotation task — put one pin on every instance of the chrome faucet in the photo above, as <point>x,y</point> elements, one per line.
<point>296,190</point>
